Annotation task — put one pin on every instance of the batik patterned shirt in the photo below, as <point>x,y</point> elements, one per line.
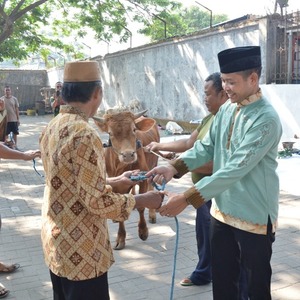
<point>77,201</point>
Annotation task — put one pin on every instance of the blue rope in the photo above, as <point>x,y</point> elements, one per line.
<point>175,257</point>
<point>161,188</point>
<point>34,167</point>
<point>141,176</point>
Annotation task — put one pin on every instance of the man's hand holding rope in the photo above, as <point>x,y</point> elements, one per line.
<point>176,203</point>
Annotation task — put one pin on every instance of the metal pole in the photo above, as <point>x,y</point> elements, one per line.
<point>165,24</point>
<point>210,22</point>
<point>87,47</point>
<point>129,33</point>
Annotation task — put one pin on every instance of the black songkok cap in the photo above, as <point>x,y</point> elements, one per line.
<point>239,59</point>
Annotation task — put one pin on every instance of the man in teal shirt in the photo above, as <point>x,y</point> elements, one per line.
<point>243,144</point>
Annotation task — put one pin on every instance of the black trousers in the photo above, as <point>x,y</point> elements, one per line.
<point>232,248</point>
<point>90,289</point>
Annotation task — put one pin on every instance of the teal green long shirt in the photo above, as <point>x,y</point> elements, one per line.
<point>244,183</point>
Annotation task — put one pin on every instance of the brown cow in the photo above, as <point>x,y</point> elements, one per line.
<point>128,134</point>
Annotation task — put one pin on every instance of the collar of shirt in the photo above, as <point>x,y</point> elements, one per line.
<point>68,109</point>
<point>251,99</point>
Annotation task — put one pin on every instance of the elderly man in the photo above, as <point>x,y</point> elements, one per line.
<point>78,197</point>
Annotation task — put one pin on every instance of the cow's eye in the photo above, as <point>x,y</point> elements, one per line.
<point>134,130</point>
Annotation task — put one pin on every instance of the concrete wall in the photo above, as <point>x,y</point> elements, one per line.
<point>167,78</point>
<point>25,85</point>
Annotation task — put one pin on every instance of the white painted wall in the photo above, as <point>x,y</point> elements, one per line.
<point>167,78</point>
<point>286,100</point>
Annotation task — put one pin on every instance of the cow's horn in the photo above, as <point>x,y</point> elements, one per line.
<point>99,119</point>
<point>139,114</point>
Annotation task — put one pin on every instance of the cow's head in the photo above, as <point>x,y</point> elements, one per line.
<point>121,128</point>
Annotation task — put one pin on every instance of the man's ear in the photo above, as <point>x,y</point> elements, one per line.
<point>96,92</point>
<point>254,78</point>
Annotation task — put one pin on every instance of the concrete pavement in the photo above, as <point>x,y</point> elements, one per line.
<point>143,270</point>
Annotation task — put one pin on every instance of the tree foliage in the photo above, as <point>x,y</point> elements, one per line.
<point>29,26</point>
<point>40,27</point>
<point>179,21</point>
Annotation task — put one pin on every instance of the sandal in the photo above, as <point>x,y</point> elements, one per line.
<point>8,268</point>
<point>186,282</point>
<point>3,291</point>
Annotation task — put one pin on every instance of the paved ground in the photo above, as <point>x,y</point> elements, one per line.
<point>144,269</point>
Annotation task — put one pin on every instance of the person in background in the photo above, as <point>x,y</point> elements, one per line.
<point>243,144</point>
<point>7,153</point>
<point>56,99</point>
<point>3,120</point>
<point>214,97</point>
<point>78,196</point>
<point>13,118</point>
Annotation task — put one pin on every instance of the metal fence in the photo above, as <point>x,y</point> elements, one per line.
<point>285,62</point>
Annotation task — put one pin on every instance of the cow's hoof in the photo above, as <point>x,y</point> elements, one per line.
<point>119,246</point>
<point>152,220</point>
<point>152,216</point>
<point>143,234</point>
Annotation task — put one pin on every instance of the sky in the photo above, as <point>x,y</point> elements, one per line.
<point>228,7</point>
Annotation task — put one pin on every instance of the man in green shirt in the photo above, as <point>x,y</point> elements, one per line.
<point>243,144</point>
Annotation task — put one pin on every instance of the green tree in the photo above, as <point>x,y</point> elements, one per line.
<point>37,27</point>
<point>179,21</point>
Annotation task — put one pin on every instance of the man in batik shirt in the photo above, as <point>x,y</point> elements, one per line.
<point>77,198</point>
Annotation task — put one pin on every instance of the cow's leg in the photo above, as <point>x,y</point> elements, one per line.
<point>152,216</point>
<point>142,226</point>
<point>143,229</point>
<point>121,236</point>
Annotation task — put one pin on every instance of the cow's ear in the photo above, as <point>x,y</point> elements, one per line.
<point>101,124</point>
<point>145,124</point>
